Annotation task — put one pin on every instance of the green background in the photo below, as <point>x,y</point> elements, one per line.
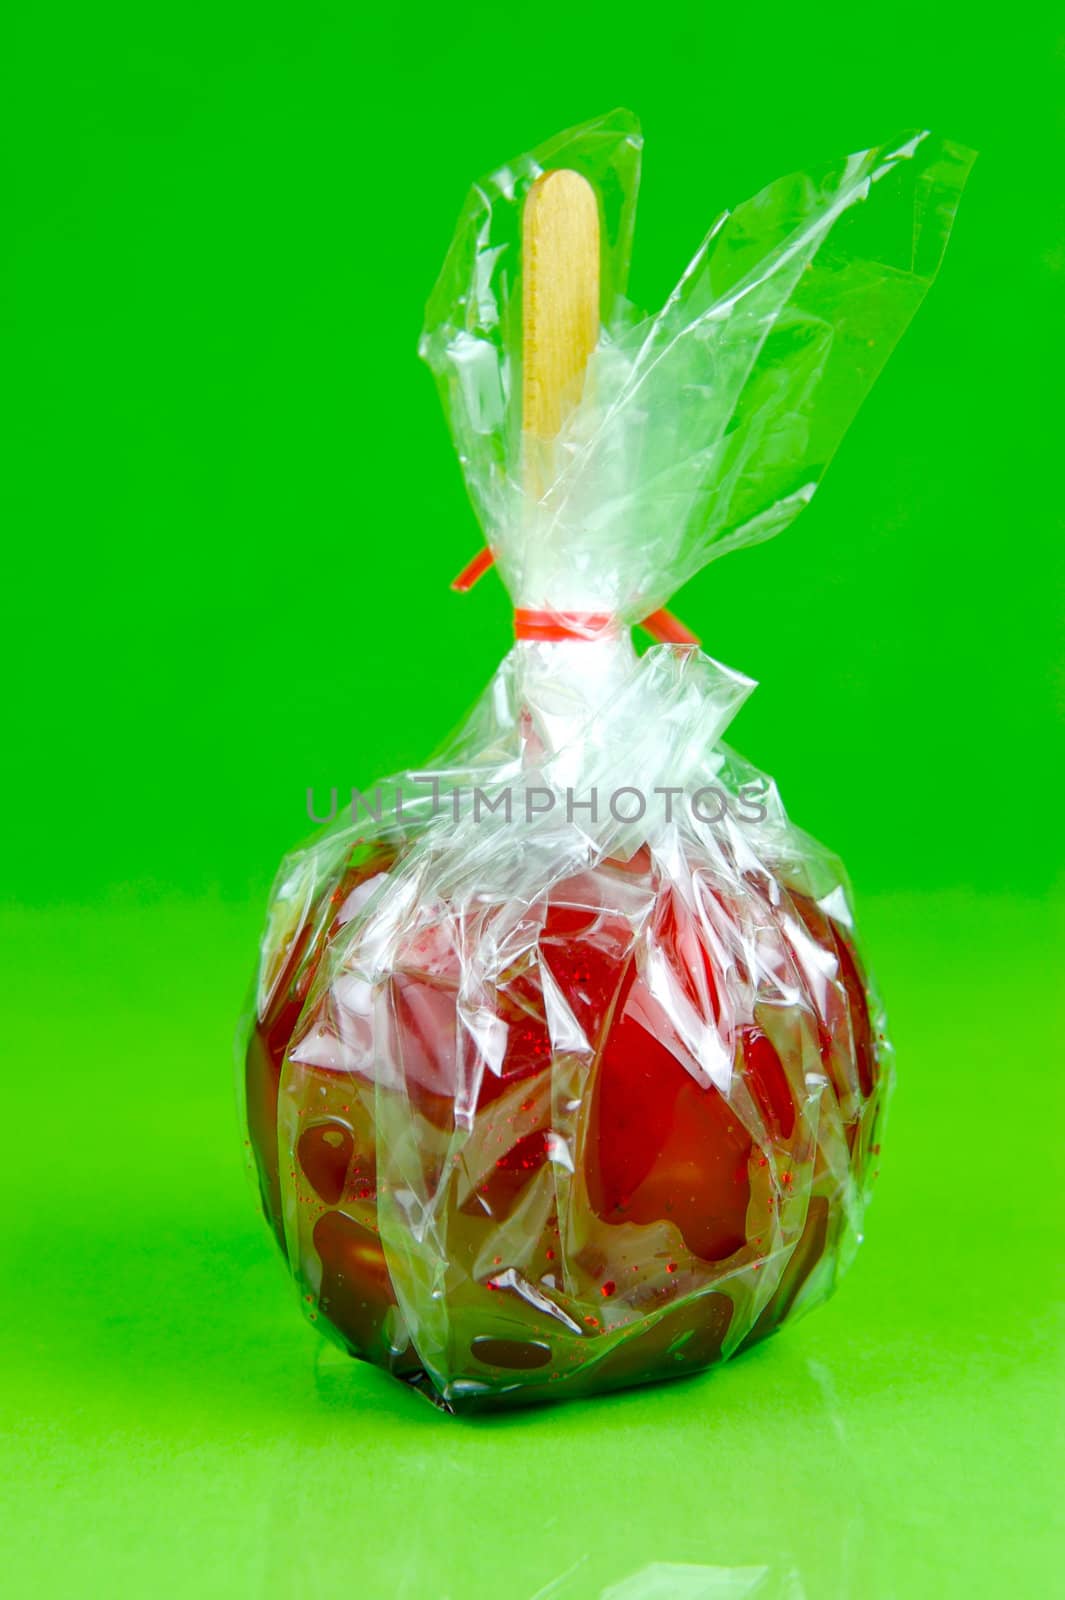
<point>230,514</point>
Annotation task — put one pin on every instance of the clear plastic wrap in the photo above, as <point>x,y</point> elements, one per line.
<point>564,1072</point>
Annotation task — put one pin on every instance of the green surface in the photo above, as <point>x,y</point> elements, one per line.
<point>230,514</point>
<point>175,1428</point>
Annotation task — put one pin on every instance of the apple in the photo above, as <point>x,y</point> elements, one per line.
<point>637,1153</point>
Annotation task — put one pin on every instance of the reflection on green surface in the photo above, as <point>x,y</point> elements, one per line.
<point>669,1580</point>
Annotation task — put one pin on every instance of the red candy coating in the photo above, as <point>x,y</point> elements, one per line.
<point>645,1185</point>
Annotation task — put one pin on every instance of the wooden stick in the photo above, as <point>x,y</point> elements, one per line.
<point>560,310</point>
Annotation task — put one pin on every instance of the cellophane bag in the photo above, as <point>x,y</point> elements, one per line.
<point>565,1072</point>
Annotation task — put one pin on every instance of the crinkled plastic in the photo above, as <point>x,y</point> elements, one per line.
<point>565,1072</point>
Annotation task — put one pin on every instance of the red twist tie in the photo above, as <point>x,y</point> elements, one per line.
<point>667,629</point>
<point>473,570</point>
<point>556,626</point>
